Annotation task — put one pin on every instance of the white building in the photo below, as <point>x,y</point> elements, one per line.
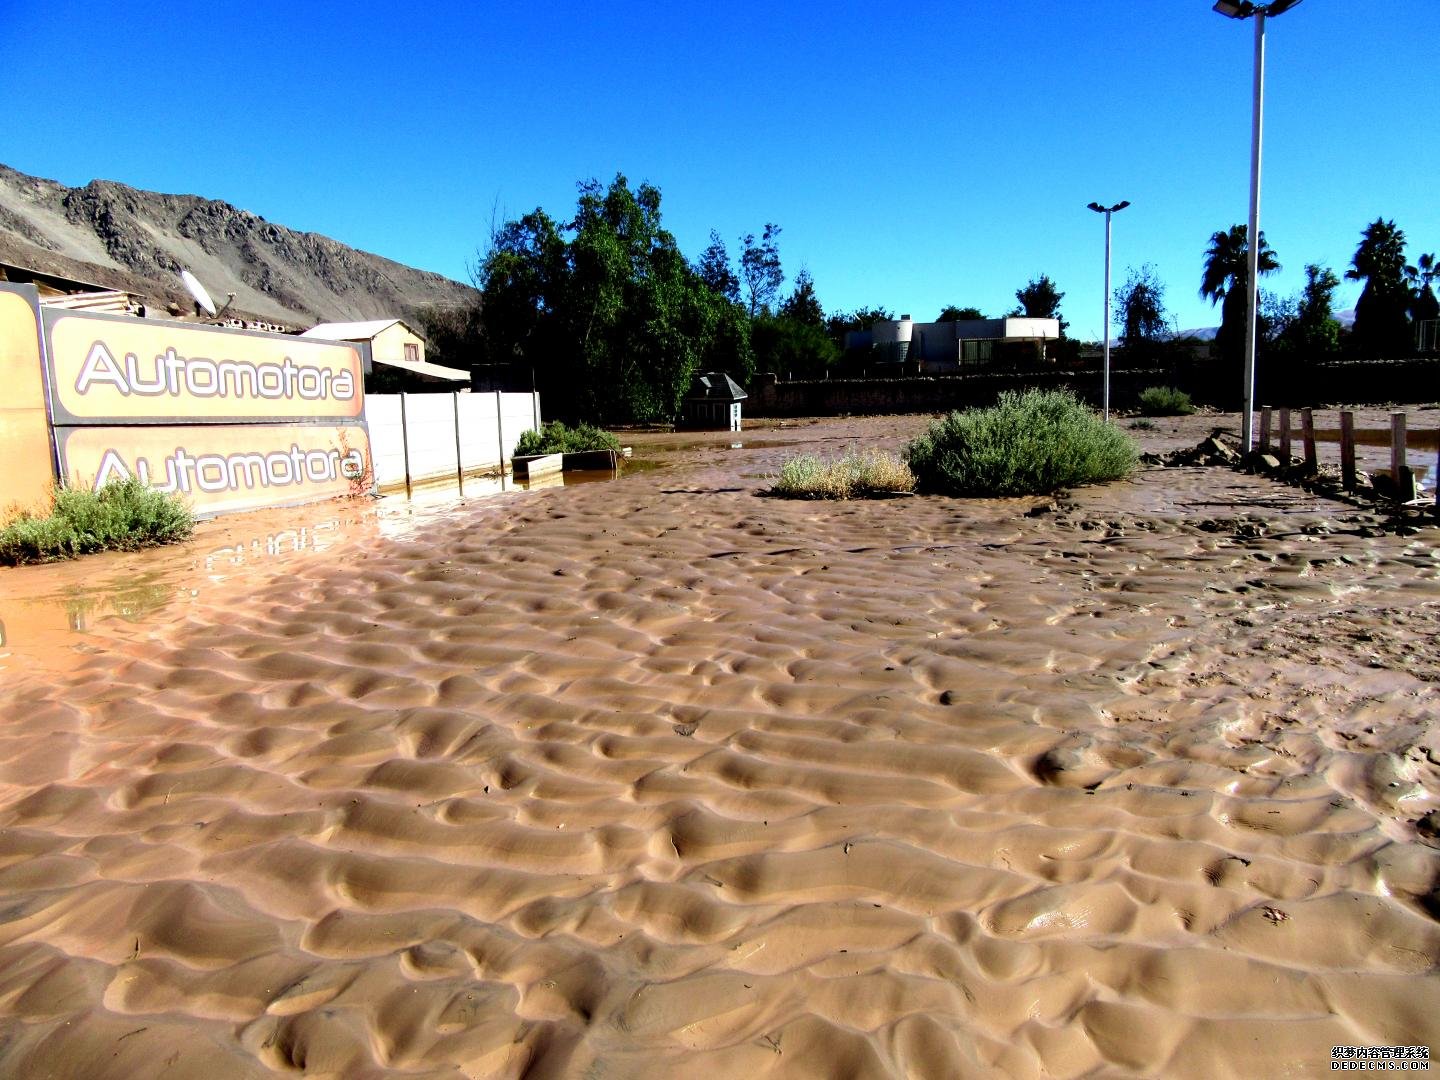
<point>940,347</point>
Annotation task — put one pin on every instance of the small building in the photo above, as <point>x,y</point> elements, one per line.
<point>73,294</point>
<point>712,403</point>
<point>940,347</point>
<point>395,358</point>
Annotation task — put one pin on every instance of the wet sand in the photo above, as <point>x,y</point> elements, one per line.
<point>662,778</point>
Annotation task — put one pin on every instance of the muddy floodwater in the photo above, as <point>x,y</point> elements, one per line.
<point>658,776</point>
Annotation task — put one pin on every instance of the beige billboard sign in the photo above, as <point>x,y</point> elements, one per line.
<point>221,468</point>
<point>118,370</point>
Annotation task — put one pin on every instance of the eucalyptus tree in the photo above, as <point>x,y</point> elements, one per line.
<point>714,269</point>
<point>605,309</point>
<point>760,269</point>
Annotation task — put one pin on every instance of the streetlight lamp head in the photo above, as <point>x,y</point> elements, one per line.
<point>1122,204</point>
<point>1235,9</point>
<point>1279,7</point>
<point>1097,208</point>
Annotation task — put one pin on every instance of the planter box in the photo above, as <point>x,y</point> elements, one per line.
<point>537,465</point>
<point>593,459</point>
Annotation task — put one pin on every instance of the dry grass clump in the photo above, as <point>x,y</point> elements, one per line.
<point>858,474</point>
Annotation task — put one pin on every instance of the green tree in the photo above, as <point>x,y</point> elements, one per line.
<point>844,322</point>
<point>522,279</point>
<point>714,269</point>
<point>1382,325</point>
<point>453,333</point>
<point>1226,281</point>
<point>613,320</point>
<point>760,269</point>
<point>1423,304</point>
<point>802,305</point>
<point>1140,312</point>
<point>1315,332</point>
<point>792,347</point>
<point>1040,299</point>
<point>951,313</point>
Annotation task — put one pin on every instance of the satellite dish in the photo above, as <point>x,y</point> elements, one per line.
<point>196,290</point>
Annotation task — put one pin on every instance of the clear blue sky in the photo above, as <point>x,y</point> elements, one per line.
<point>915,156</point>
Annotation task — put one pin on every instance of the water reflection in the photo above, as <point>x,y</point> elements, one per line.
<point>49,614</point>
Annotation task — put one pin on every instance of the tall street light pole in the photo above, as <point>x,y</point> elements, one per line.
<point>1245,9</point>
<point>1107,211</point>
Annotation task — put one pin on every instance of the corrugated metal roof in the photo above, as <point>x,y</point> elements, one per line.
<point>350,331</point>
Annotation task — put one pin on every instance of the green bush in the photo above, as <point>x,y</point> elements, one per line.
<point>1165,401</point>
<point>1028,444</point>
<point>859,474</point>
<point>122,516</point>
<point>556,438</point>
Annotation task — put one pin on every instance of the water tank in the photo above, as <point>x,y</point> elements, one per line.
<point>893,331</point>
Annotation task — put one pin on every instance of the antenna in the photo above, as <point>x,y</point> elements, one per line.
<point>197,292</point>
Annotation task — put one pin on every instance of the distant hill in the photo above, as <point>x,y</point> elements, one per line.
<point>138,241</point>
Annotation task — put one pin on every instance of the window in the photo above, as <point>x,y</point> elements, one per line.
<point>412,353</point>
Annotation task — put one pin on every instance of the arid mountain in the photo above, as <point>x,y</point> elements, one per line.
<point>120,237</point>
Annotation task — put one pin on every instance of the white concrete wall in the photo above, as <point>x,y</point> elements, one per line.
<point>386,445</point>
<point>489,425</point>
<point>430,434</point>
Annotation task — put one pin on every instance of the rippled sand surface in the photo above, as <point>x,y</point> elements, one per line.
<point>661,778</point>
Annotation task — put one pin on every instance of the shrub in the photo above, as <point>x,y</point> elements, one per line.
<point>1142,425</point>
<point>1165,401</point>
<point>859,474</point>
<point>556,438</point>
<point>122,516</point>
<point>1028,444</point>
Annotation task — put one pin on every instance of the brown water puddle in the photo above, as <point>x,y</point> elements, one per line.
<point>53,614</point>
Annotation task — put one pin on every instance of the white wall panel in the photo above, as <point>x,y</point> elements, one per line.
<point>430,425</point>
<point>479,446</point>
<point>386,445</point>
<point>488,424</point>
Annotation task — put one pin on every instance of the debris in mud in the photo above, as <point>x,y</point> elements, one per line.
<point>1222,448</point>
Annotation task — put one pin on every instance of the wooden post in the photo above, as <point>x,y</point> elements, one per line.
<point>459,462</point>
<point>1285,438</point>
<point>1397,445</point>
<point>1264,429</point>
<point>1347,449</point>
<point>1400,472</point>
<point>1307,429</point>
<point>405,444</point>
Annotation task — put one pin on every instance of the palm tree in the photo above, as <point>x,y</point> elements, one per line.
<point>1226,278</point>
<point>1423,304</point>
<point>1382,327</point>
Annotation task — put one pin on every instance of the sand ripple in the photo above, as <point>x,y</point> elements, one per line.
<point>658,778</point>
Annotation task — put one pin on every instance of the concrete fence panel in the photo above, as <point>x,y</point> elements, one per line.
<point>422,437</point>
<point>479,443</point>
<point>387,442</point>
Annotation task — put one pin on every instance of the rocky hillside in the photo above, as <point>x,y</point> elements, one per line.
<point>124,238</point>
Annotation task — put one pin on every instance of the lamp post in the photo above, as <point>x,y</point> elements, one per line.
<point>1245,9</point>
<point>1107,211</point>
